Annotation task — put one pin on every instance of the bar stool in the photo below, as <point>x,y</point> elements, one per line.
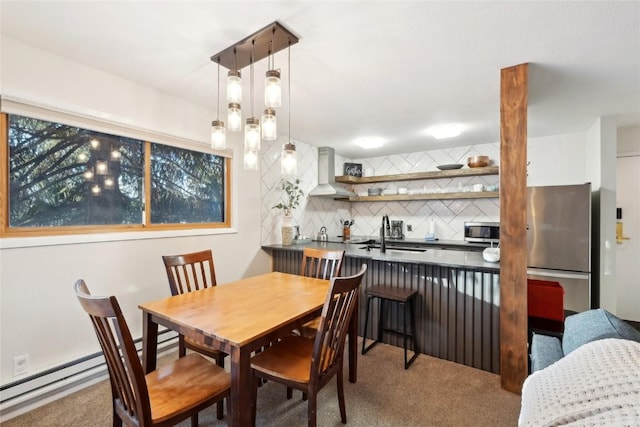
<point>402,297</point>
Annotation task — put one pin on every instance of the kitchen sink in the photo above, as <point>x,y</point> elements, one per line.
<point>393,247</point>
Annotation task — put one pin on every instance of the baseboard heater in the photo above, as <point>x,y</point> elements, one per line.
<point>36,390</point>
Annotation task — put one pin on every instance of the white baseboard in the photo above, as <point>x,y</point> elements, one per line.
<point>38,390</point>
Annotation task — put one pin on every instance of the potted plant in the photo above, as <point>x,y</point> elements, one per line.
<point>293,195</point>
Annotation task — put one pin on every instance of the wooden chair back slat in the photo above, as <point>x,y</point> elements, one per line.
<point>190,272</point>
<point>321,263</point>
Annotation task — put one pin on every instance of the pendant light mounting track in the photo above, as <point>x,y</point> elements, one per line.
<point>238,56</point>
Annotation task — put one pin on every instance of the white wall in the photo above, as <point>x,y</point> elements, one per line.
<point>556,160</point>
<point>628,198</point>
<point>601,143</point>
<point>39,315</point>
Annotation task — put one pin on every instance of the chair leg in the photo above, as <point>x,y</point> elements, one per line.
<point>255,380</point>
<point>305,396</point>
<point>343,410</point>
<point>289,392</point>
<point>117,421</point>
<point>220,404</point>
<point>312,409</point>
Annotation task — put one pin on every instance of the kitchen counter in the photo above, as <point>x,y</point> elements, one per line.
<point>458,303</point>
<point>446,253</point>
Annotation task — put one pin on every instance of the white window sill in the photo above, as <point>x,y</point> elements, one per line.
<point>26,242</point>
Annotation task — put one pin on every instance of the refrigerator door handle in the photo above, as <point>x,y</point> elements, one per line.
<point>557,273</point>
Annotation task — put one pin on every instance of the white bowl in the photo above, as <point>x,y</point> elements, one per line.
<point>491,254</point>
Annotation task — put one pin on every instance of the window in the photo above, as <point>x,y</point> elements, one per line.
<point>186,186</point>
<point>64,179</point>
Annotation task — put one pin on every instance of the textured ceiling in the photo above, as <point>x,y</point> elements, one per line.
<point>377,68</point>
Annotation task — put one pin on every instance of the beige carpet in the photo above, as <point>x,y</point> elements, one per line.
<point>432,392</point>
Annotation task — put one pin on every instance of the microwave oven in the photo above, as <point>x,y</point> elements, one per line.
<point>483,232</point>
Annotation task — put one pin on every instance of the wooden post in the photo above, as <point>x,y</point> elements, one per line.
<point>513,217</point>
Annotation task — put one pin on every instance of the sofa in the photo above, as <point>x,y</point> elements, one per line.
<point>589,376</point>
<point>579,329</point>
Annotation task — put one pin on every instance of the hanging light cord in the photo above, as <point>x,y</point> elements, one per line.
<point>289,84</point>
<point>253,43</point>
<point>218,107</point>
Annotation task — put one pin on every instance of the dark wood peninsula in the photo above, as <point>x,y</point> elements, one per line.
<point>458,308</point>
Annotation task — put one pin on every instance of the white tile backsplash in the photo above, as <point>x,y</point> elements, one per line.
<point>314,212</point>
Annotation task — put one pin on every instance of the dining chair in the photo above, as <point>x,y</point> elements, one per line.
<point>187,273</point>
<point>164,397</point>
<point>321,264</point>
<point>307,365</point>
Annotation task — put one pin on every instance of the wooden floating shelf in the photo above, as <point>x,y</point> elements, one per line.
<point>451,173</point>
<point>430,196</point>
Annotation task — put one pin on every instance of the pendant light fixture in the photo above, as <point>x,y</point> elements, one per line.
<point>272,88</point>
<point>234,96</point>
<point>234,83</point>
<point>218,132</point>
<point>234,116</point>
<point>289,161</point>
<point>269,126</point>
<point>251,126</point>
<point>264,43</point>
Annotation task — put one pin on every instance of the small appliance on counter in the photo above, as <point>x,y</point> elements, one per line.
<point>491,254</point>
<point>482,232</point>
<point>322,235</point>
<point>397,229</point>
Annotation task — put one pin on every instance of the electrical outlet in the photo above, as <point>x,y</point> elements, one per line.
<point>20,365</point>
<point>409,227</point>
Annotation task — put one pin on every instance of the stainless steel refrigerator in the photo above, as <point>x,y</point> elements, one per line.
<point>559,239</point>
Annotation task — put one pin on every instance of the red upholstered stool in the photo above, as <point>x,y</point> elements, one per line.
<point>545,306</point>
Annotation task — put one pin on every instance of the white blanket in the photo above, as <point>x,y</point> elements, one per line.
<point>597,384</point>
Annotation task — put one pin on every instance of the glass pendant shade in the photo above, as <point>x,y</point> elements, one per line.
<point>269,126</point>
<point>234,86</point>
<point>289,161</point>
<point>234,116</point>
<point>218,135</point>
<point>250,159</point>
<point>252,133</point>
<point>272,89</point>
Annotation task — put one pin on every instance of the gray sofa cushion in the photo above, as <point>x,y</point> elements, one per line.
<point>545,350</point>
<point>592,325</point>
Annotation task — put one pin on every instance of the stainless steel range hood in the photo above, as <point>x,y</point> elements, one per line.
<point>327,186</point>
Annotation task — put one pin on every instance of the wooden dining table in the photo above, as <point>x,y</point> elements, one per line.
<point>239,318</point>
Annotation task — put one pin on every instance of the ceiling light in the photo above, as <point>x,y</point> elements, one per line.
<point>264,43</point>
<point>218,132</point>
<point>250,159</point>
<point>252,133</point>
<point>369,142</point>
<point>269,129</point>
<point>445,131</point>
<point>272,89</point>
<point>234,117</point>
<point>289,160</point>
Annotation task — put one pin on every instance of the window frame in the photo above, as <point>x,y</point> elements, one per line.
<point>8,232</point>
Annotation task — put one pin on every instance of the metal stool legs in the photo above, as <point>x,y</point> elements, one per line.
<point>408,311</point>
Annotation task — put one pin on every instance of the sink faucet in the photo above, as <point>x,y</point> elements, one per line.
<point>383,233</point>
